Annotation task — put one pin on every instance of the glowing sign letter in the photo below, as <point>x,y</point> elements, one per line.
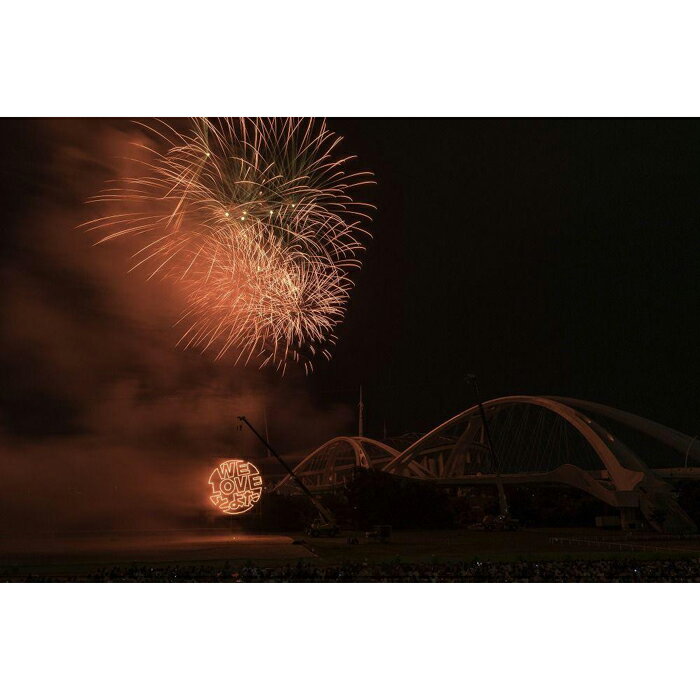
<point>236,486</point>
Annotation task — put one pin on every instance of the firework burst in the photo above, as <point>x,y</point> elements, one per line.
<point>256,218</point>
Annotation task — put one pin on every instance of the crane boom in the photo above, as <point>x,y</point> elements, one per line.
<point>325,514</point>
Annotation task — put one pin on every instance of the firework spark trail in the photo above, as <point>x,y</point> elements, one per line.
<point>256,218</point>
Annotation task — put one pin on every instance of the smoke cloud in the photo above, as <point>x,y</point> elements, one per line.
<point>104,422</point>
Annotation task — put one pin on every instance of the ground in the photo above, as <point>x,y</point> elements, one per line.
<point>85,552</point>
<point>530,544</point>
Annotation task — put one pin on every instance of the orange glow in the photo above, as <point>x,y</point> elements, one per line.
<point>236,486</point>
<point>269,280</point>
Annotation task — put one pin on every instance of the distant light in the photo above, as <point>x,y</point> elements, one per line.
<point>243,218</point>
<point>226,214</point>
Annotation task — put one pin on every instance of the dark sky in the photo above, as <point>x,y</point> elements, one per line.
<point>548,256</point>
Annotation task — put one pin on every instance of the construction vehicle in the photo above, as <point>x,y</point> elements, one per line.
<point>379,533</point>
<point>500,523</point>
<point>322,528</point>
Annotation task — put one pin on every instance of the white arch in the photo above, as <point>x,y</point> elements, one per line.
<point>362,458</point>
<point>625,476</point>
<point>681,443</point>
<point>634,484</point>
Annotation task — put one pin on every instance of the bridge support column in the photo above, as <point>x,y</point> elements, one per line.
<point>631,518</point>
<point>628,506</point>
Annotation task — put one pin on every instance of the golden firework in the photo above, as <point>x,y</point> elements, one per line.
<point>256,218</point>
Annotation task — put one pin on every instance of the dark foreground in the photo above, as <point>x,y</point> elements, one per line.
<point>532,555</point>
<point>602,571</point>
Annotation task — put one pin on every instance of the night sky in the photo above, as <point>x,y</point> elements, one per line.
<point>548,256</point>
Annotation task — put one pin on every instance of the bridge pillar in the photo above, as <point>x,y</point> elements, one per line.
<point>631,518</point>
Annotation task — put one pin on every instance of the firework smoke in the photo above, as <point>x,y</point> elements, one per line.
<point>256,218</point>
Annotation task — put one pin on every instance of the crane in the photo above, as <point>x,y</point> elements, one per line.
<point>328,524</point>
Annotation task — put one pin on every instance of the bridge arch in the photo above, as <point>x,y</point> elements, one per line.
<point>455,454</point>
<point>679,442</point>
<point>331,464</point>
<point>623,466</point>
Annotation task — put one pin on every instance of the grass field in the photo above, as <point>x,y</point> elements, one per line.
<point>530,544</point>
<point>84,554</point>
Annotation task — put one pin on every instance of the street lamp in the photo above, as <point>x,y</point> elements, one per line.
<point>502,502</point>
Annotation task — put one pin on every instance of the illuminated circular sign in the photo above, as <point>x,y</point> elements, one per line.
<point>236,486</point>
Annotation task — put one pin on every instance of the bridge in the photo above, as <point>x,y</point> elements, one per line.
<point>537,439</point>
